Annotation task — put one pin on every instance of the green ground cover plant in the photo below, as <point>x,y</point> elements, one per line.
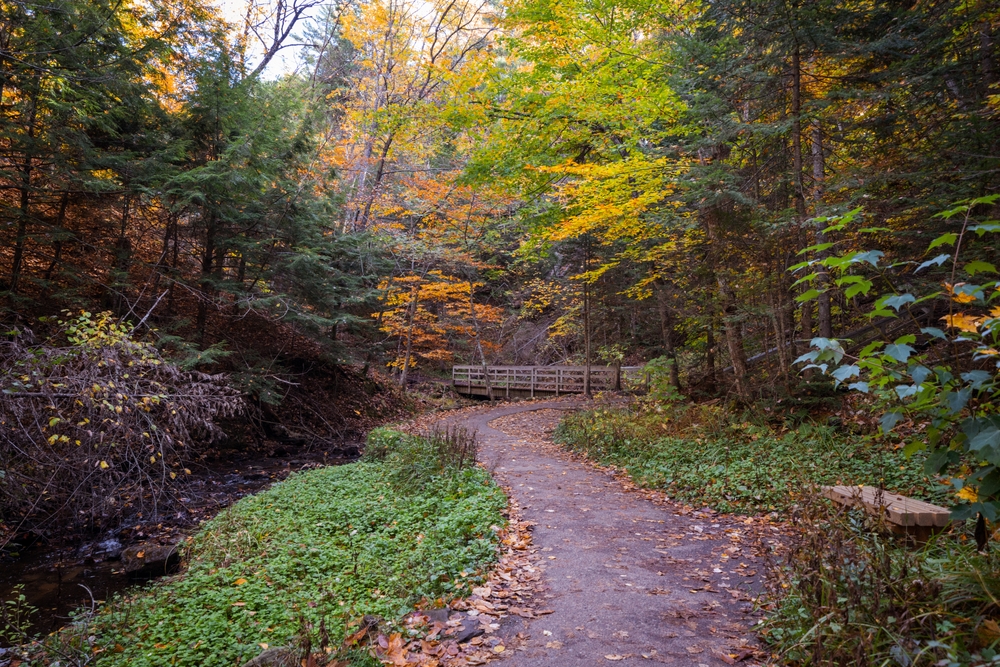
<point>705,455</point>
<point>312,553</point>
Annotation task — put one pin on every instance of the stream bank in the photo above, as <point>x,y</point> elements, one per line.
<point>57,579</point>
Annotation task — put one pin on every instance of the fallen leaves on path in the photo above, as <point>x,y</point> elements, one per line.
<point>738,544</point>
<point>466,632</point>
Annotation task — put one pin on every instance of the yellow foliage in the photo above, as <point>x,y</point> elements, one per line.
<point>434,312</point>
<point>963,322</point>
<point>968,493</point>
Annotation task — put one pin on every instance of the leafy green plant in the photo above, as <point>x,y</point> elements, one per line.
<point>15,618</point>
<point>945,380</point>
<point>704,455</point>
<point>382,441</point>
<point>661,389</point>
<point>315,551</point>
<point>415,459</point>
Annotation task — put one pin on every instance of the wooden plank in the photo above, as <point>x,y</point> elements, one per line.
<point>899,510</point>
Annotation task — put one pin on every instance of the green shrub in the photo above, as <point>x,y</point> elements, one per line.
<point>381,441</point>
<point>950,403</point>
<point>661,388</point>
<point>705,456</point>
<point>416,459</point>
<point>314,551</point>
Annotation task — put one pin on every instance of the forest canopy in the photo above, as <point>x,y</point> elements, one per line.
<point>729,187</point>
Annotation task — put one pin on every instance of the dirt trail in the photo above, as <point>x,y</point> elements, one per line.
<point>629,580</point>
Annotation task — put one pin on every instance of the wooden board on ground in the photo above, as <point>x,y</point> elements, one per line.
<point>897,509</point>
<point>910,515</point>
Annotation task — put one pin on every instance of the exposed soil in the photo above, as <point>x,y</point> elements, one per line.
<point>631,577</point>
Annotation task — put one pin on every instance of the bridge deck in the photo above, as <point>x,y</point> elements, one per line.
<point>531,381</point>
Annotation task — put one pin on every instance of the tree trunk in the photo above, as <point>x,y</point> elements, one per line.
<point>710,355</point>
<point>667,333</point>
<point>205,291</point>
<point>734,330</point>
<point>734,337</point>
<point>122,259</point>
<point>800,195</point>
<point>479,343</point>
<point>806,319</point>
<point>823,279</point>
<point>780,337</point>
<point>376,182</point>
<point>586,338</point>
<point>24,190</point>
<point>586,321</point>
<point>173,227</point>
<point>58,244</point>
<point>409,338</point>
<point>787,318</point>
<point>987,63</point>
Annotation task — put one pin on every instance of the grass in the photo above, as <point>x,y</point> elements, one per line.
<point>703,455</point>
<point>311,553</point>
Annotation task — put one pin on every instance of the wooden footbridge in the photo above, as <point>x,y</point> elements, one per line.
<point>532,381</point>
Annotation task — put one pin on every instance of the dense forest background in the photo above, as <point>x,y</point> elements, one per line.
<point>268,229</point>
<point>446,182</point>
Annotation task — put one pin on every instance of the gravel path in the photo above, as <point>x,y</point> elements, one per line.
<point>629,580</point>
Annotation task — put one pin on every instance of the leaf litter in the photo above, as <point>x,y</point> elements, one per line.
<point>464,631</point>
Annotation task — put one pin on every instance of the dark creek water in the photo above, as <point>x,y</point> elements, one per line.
<point>58,581</point>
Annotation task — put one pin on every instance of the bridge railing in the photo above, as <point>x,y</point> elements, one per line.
<point>531,380</point>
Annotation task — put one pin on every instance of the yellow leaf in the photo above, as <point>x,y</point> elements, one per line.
<point>152,459</point>
<point>104,465</point>
<point>241,581</point>
<point>173,475</point>
<point>968,493</point>
<point>963,322</point>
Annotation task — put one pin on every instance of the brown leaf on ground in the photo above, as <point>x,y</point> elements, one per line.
<point>514,577</point>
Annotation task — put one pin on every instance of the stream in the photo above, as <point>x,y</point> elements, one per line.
<point>58,581</point>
